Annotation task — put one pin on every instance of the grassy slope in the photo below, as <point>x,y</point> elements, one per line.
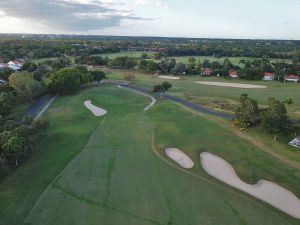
<point>68,133</point>
<point>117,179</point>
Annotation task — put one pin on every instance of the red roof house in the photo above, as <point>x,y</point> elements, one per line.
<point>292,78</point>
<point>269,76</point>
<point>233,74</point>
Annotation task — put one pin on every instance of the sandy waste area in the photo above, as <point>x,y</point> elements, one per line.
<point>232,85</point>
<point>266,191</point>
<point>169,77</point>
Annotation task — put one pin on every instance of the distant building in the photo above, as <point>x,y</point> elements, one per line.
<point>233,74</point>
<point>292,78</point>
<point>15,65</point>
<point>295,143</point>
<point>207,72</point>
<point>269,76</point>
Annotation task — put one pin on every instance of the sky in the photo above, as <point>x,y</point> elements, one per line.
<point>263,19</point>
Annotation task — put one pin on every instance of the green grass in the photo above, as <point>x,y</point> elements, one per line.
<point>68,132</point>
<point>42,60</point>
<point>134,54</point>
<point>186,87</point>
<point>118,179</point>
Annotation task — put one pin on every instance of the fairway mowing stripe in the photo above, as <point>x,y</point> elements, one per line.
<point>59,174</point>
<point>101,205</point>
<point>167,200</point>
<point>214,181</point>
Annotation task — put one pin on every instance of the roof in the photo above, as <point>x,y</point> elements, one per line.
<point>207,70</point>
<point>233,73</point>
<point>294,77</point>
<point>15,62</point>
<point>268,74</point>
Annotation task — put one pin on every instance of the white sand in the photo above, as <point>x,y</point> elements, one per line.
<point>179,157</point>
<point>232,85</point>
<point>169,77</point>
<point>153,100</point>
<point>266,191</point>
<point>94,109</point>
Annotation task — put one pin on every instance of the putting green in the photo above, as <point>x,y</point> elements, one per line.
<point>121,175</point>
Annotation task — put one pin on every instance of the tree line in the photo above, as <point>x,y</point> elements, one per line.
<point>273,119</point>
<point>248,69</point>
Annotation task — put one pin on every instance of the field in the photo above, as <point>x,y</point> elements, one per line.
<point>222,99</point>
<point>134,54</point>
<point>113,170</point>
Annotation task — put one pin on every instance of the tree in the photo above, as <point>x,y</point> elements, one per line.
<point>157,55</point>
<point>274,118</point>
<point>29,66</point>
<point>166,85</point>
<point>15,148</point>
<point>288,101</point>
<point>69,80</point>
<point>5,73</point>
<point>179,69</point>
<point>7,102</point>
<point>247,114</point>
<point>191,65</point>
<point>144,56</point>
<point>25,85</point>
<point>129,76</point>
<point>98,75</point>
<point>161,89</point>
<point>4,168</point>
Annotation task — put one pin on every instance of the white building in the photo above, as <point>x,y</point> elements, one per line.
<point>15,65</point>
<point>292,78</point>
<point>295,143</point>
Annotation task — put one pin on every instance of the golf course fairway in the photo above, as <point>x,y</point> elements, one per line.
<point>119,173</point>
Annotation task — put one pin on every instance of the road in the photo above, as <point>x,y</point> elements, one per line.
<point>191,105</point>
<point>38,106</point>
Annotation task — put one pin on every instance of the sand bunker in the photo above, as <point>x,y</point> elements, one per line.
<point>169,77</point>
<point>179,157</point>
<point>266,191</point>
<point>94,109</point>
<point>232,85</point>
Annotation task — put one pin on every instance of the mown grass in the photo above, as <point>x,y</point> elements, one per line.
<point>69,129</point>
<point>118,179</point>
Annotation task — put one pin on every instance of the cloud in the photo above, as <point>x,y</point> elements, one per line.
<point>157,3</point>
<point>70,15</point>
